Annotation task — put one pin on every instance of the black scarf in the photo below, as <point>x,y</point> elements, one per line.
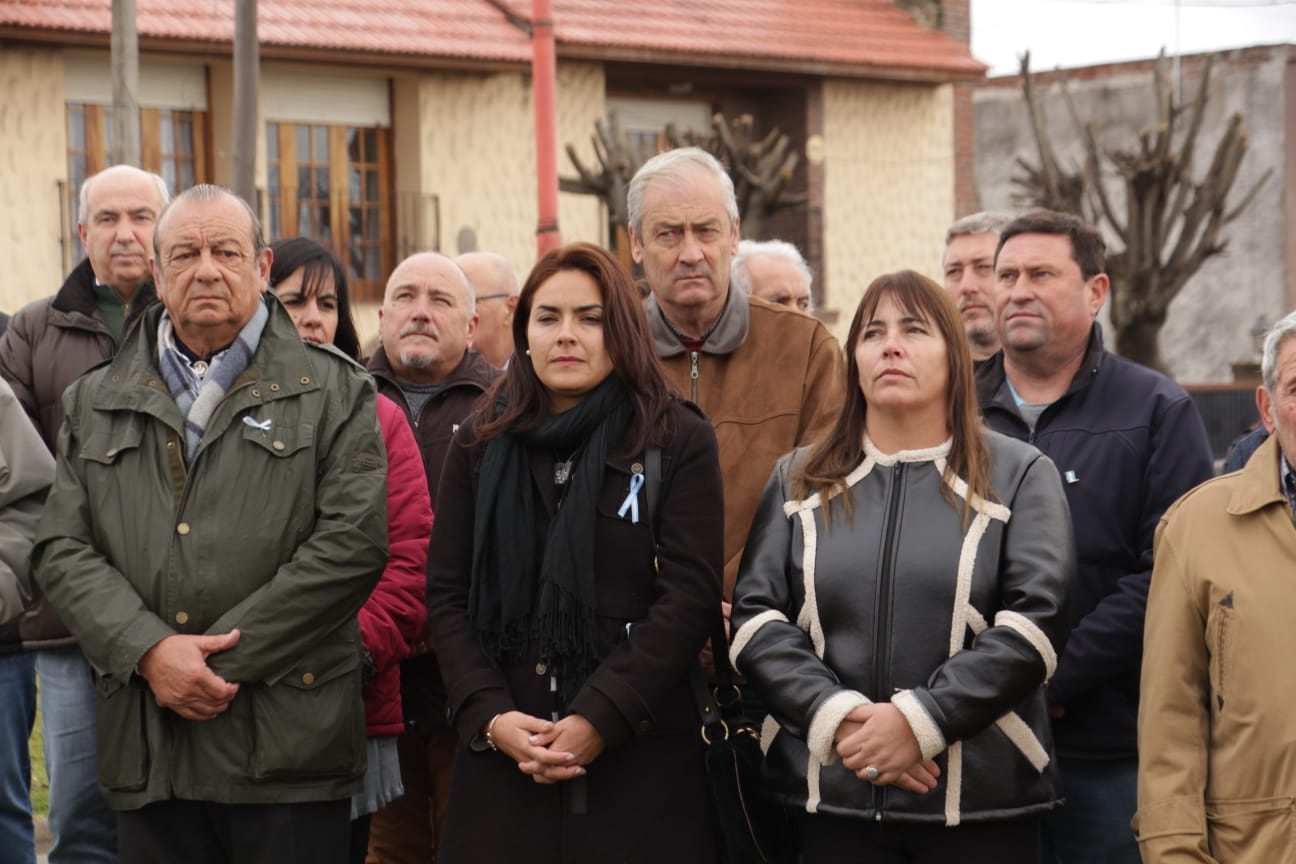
<point>515,600</point>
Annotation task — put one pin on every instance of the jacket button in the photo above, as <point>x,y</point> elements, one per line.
<point>305,380</point>
<point>274,388</point>
<point>182,617</point>
<point>278,445</point>
<point>170,445</point>
<point>182,529</point>
<point>308,679</point>
<point>256,393</point>
<point>637,468</point>
<point>540,669</point>
<point>111,453</point>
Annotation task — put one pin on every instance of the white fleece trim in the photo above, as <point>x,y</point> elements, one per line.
<point>954,784</point>
<point>976,621</point>
<point>817,500</point>
<point>979,504</point>
<point>927,454</point>
<point>748,630</point>
<point>769,731</point>
<point>1020,734</point>
<point>963,587</point>
<point>930,738</point>
<point>812,785</point>
<point>1031,632</point>
<point>824,723</point>
<point>808,617</point>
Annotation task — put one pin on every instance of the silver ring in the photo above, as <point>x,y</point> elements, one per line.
<point>871,773</point>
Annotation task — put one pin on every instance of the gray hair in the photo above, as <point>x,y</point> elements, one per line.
<point>503,280</point>
<point>207,192</point>
<point>1274,339</point>
<point>669,164</point>
<point>985,222</point>
<point>83,202</point>
<point>739,276</point>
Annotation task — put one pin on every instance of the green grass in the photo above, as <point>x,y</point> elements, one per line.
<point>40,780</point>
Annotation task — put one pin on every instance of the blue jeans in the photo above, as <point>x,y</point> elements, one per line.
<point>1093,827</point>
<point>17,714</point>
<point>84,829</point>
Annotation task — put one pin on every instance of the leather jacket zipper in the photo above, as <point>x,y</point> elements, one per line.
<point>882,611</point>
<point>694,356</point>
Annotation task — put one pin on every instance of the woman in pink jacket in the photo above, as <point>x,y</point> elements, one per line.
<point>312,286</point>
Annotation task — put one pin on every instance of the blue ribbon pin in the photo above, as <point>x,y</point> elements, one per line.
<point>631,501</point>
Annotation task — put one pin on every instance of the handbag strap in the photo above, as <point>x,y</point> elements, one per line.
<point>725,700</point>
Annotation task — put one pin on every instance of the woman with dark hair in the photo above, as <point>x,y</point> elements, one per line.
<point>899,607</point>
<point>567,608</point>
<point>310,282</point>
<point>312,286</point>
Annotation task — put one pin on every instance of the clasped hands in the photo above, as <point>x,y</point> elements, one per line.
<point>177,672</point>
<point>548,751</point>
<point>878,736</point>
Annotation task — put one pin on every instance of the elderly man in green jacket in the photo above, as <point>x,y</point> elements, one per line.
<point>217,519</point>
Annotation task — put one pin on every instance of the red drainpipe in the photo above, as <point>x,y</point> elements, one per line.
<point>543,77</point>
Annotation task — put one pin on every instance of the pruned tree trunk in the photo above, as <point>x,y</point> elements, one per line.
<point>761,169</point>
<point>1171,223</point>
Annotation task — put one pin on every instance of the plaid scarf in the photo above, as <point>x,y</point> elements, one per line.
<point>198,397</point>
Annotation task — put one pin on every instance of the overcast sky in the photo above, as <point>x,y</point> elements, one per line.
<point>1084,32</point>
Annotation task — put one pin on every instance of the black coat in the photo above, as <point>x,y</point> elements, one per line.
<point>646,798</point>
<point>1127,442</point>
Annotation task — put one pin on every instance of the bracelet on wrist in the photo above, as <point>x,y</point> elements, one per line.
<point>490,733</point>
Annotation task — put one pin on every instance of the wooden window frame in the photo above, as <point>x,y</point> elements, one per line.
<point>339,203</point>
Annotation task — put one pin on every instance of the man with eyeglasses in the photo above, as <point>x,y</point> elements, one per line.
<point>497,296</point>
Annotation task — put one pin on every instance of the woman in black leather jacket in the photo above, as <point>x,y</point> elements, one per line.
<point>901,632</point>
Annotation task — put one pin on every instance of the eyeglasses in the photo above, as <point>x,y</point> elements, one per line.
<point>481,297</point>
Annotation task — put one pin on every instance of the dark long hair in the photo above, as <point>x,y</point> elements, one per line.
<point>626,339</point>
<point>301,253</point>
<point>825,469</point>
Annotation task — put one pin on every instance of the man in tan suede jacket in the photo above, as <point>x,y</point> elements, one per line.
<point>1217,770</point>
<point>769,378</point>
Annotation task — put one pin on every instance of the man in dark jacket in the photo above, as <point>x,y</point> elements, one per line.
<point>1127,442</point>
<point>218,517</point>
<point>49,344</point>
<point>427,321</point>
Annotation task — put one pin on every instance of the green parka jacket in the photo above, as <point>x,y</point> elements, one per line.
<point>278,528</point>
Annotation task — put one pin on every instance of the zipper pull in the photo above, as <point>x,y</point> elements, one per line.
<point>693,361</point>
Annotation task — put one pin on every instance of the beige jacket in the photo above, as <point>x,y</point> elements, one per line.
<point>1217,725</point>
<point>770,380</point>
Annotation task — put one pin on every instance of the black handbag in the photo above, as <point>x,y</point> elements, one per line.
<point>750,829</point>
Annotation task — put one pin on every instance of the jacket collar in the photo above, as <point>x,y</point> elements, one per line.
<point>282,358</point>
<point>992,379</point>
<point>928,454</point>
<point>473,370</point>
<point>729,333</point>
<point>77,295</point>
<point>1258,487</point>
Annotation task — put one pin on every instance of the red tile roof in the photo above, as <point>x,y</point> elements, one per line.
<point>853,37</point>
<point>816,35</point>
